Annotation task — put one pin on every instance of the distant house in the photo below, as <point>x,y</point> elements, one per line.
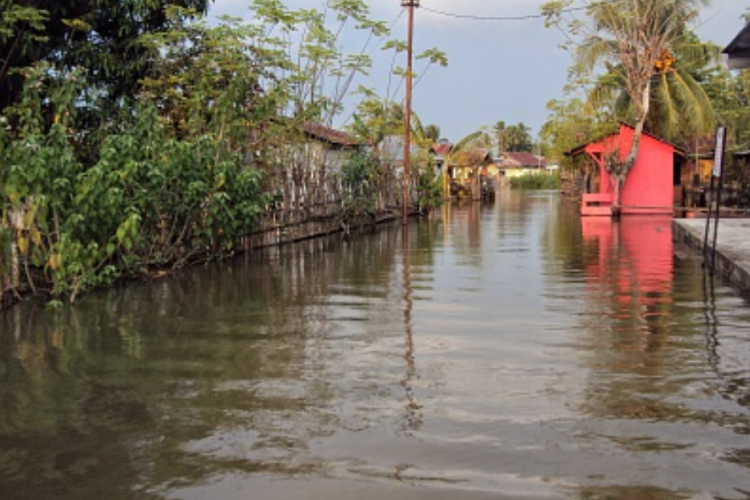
<point>472,172</point>
<point>440,151</point>
<point>651,184</point>
<point>329,147</point>
<point>513,164</point>
<point>738,50</point>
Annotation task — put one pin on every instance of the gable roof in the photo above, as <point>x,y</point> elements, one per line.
<point>442,148</point>
<point>580,148</point>
<point>521,159</point>
<point>471,157</point>
<point>329,135</point>
<point>738,50</point>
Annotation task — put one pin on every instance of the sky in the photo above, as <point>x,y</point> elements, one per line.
<point>497,70</point>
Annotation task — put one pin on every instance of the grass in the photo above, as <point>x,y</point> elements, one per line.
<point>536,181</point>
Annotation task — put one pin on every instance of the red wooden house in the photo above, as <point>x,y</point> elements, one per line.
<point>650,185</point>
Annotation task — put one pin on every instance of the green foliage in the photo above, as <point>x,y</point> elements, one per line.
<point>429,190</point>
<point>518,138</point>
<point>161,147</point>
<point>151,200</point>
<point>208,78</point>
<point>99,35</point>
<point>359,186</point>
<point>730,94</point>
<point>539,180</point>
<point>376,119</point>
<point>568,125</point>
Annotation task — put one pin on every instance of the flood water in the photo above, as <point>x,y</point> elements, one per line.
<point>503,351</point>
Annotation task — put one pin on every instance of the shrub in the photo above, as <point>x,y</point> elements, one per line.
<point>542,180</point>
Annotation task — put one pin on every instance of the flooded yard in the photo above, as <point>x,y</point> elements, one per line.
<point>509,350</point>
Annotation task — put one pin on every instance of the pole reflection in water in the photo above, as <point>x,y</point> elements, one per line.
<point>493,351</point>
<point>712,330</point>
<point>413,416</point>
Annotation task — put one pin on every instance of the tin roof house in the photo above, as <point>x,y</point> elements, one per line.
<point>513,164</point>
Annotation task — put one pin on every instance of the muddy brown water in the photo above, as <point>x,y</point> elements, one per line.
<point>505,351</point>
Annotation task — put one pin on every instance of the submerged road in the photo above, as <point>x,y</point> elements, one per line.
<point>512,350</point>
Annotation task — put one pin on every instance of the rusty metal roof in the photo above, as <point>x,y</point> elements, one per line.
<point>521,159</point>
<point>471,157</point>
<point>330,135</point>
<point>442,148</point>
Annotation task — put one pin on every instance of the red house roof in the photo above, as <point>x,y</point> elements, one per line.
<point>581,148</point>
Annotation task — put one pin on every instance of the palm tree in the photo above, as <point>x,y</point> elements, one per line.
<point>518,138</point>
<point>637,41</point>
<point>679,105</point>
<point>423,136</point>
<point>499,130</point>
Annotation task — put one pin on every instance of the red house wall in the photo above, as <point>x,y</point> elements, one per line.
<point>649,187</point>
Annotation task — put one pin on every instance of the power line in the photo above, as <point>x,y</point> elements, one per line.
<point>472,17</point>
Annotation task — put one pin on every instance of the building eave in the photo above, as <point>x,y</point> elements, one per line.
<point>738,50</point>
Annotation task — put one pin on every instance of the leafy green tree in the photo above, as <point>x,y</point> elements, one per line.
<point>566,127</point>
<point>98,35</point>
<point>730,94</point>
<point>151,200</point>
<point>210,78</point>
<point>518,138</point>
<point>375,119</point>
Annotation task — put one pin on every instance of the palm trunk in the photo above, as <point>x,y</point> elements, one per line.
<point>619,175</point>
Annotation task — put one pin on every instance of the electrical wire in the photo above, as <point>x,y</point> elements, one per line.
<point>472,17</point>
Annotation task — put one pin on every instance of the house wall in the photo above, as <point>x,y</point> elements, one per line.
<point>519,171</point>
<point>649,187</point>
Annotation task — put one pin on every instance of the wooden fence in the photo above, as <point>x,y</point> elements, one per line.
<point>309,204</point>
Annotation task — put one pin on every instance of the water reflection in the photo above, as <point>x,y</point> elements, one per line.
<point>629,278</point>
<point>413,416</point>
<point>712,330</point>
<point>506,350</point>
<point>648,383</point>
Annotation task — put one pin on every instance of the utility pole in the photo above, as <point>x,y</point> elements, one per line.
<point>409,4</point>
